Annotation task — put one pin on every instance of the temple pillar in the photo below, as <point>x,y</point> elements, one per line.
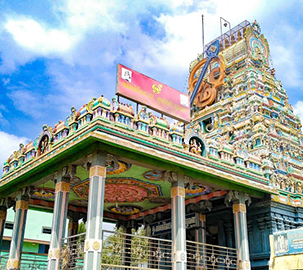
<point>250,225</point>
<point>240,228</point>
<point>201,238</point>
<point>73,223</point>
<point>179,257</point>
<point>93,240</point>
<point>228,228</point>
<point>201,229</point>
<point>262,225</point>
<point>3,210</point>
<point>73,226</point>
<point>221,233</point>
<point>21,207</point>
<point>62,189</point>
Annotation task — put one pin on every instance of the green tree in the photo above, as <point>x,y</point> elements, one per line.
<point>81,230</point>
<point>116,244</point>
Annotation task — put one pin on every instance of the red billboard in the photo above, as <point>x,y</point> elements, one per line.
<point>155,95</point>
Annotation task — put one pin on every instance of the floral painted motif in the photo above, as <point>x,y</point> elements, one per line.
<point>125,209</point>
<point>43,193</point>
<point>153,175</point>
<point>123,167</point>
<point>129,190</point>
<point>122,190</point>
<point>197,189</point>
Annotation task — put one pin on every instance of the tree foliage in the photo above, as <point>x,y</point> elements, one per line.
<point>116,248</point>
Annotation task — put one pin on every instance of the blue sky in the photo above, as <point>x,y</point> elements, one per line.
<point>59,54</point>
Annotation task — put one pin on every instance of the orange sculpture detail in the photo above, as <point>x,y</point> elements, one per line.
<point>207,92</point>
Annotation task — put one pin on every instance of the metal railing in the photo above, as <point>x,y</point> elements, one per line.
<point>133,251</point>
<point>29,261</point>
<point>72,252</point>
<point>127,251</point>
<point>241,27</point>
<point>205,256</point>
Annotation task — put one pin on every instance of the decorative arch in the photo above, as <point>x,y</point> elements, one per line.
<point>196,144</point>
<point>44,140</point>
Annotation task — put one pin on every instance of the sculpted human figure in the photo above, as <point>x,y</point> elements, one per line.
<point>44,144</point>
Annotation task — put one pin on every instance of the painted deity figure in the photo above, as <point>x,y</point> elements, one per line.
<point>143,114</point>
<point>73,116</point>
<point>256,28</point>
<point>216,120</point>
<point>44,145</point>
<point>195,146</point>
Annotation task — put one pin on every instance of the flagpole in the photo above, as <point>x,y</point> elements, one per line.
<point>203,35</point>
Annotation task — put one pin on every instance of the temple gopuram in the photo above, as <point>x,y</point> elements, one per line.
<point>208,193</point>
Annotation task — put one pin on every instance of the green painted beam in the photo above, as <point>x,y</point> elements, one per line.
<point>90,144</point>
<point>49,166</point>
<point>171,166</point>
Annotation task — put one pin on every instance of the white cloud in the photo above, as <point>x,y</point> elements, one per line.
<point>5,82</point>
<point>12,55</point>
<point>3,121</point>
<point>3,108</point>
<point>8,144</point>
<point>92,36</point>
<point>29,104</point>
<point>84,15</point>
<point>107,21</point>
<point>32,36</point>
<point>184,30</point>
<point>285,53</point>
<point>235,11</point>
<point>78,18</point>
<point>284,60</point>
<point>298,109</point>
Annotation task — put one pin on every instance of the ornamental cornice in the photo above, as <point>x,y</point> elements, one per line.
<point>156,149</point>
<point>208,110</point>
<point>236,196</point>
<point>283,127</point>
<point>202,165</point>
<point>169,176</point>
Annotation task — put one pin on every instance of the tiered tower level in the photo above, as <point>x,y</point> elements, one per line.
<point>242,116</point>
<point>243,133</point>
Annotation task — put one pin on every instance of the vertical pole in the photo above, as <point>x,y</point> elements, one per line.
<point>228,227</point>
<point>72,227</point>
<point>221,233</point>
<point>203,35</point>
<point>200,232</point>
<point>15,251</point>
<point>2,223</point>
<point>73,241</point>
<point>62,189</point>
<point>179,258</point>
<point>241,235</point>
<point>127,247</point>
<point>124,255</point>
<point>93,240</point>
<point>73,222</point>
<point>201,238</point>
<point>152,260</point>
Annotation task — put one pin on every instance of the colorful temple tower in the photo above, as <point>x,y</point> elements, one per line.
<point>243,118</point>
<point>208,193</point>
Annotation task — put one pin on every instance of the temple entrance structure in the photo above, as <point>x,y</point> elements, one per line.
<point>208,193</point>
